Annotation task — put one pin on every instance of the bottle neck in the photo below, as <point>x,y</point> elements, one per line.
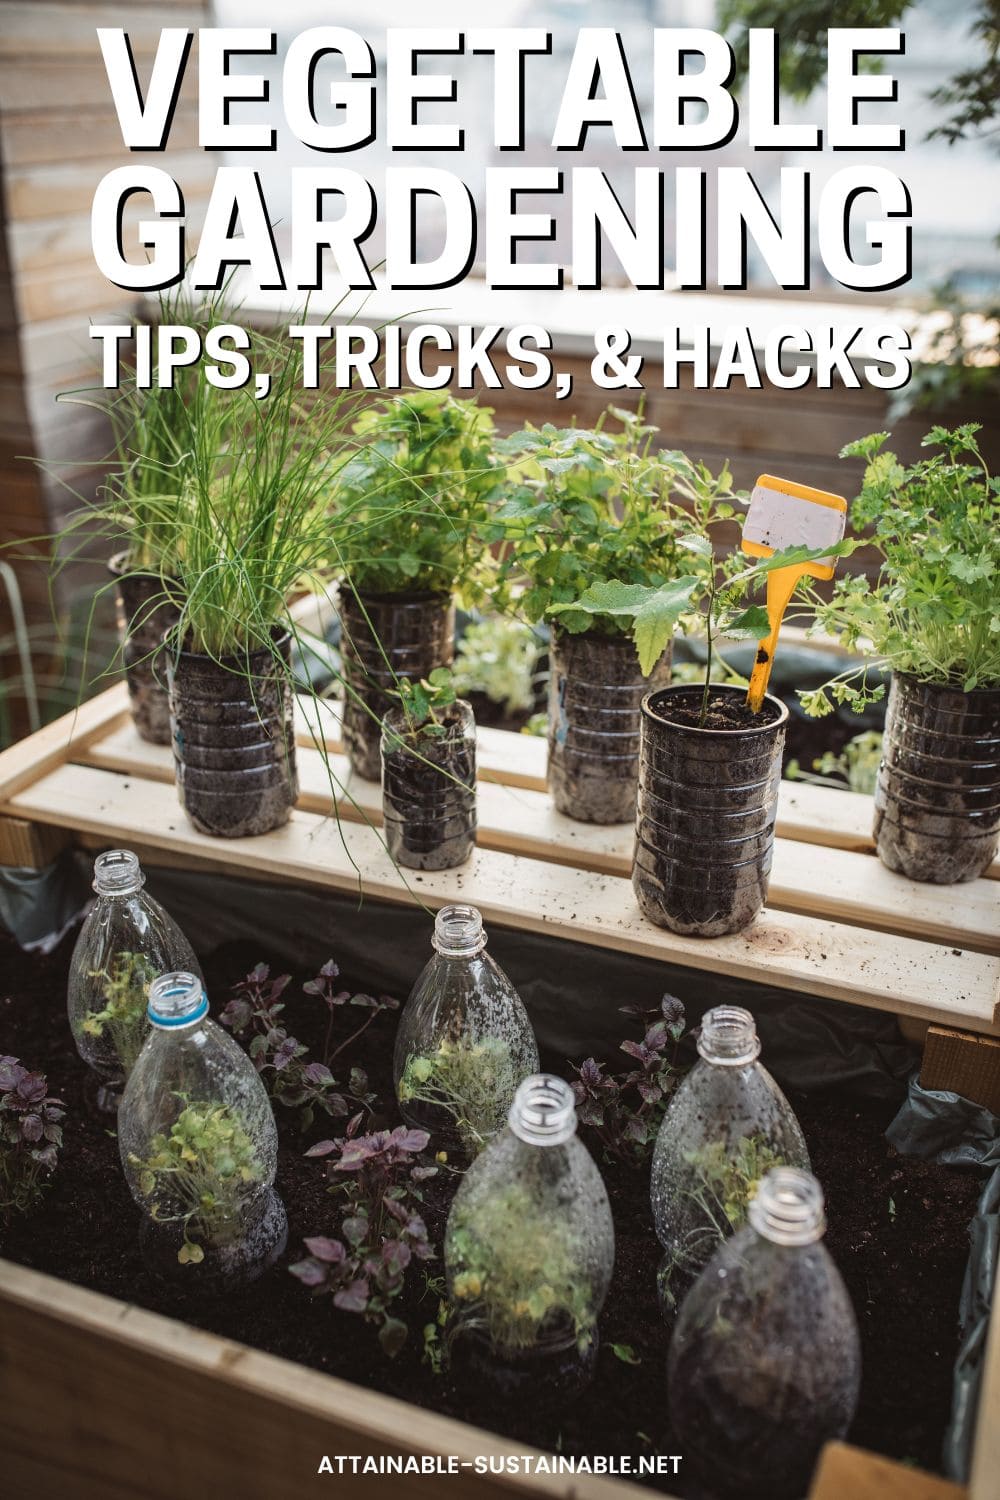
<point>118,873</point>
<point>543,1112</point>
<point>176,1001</point>
<point>788,1207</point>
<point>459,932</point>
<point>728,1037</point>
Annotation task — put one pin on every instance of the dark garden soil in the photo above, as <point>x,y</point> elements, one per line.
<point>897,1232</point>
<point>727,712</point>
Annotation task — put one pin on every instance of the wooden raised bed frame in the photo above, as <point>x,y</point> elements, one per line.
<point>95,1393</point>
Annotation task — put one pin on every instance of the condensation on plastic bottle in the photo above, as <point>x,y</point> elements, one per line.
<point>126,940</point>
<point>464,1041</point>
<point>727,1124</point>
<point>199,1147</point>
<point>529,1251</point>
<point>765,1360</point>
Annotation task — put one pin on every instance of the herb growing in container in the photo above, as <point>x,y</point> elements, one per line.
<point>199,1146</point>
<point>139,507</point>
<point>529,1251</point>
<point>412,504</point>
<point>256,528</point>
<point>429,774</point>
<point>725,1126</point>
<point>464,1041</point>
<point>932,615</point>
<point>595,510</point>
<point>710,765</point>
<point>126,940</point>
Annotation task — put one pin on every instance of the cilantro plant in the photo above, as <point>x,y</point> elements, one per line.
<point>412,503</point>
<point>292,1078</point>
<point>595,525</point>
<point>377,1180</point>
<point>30,1137</point>
<point>934,609</point>
<point>624,1110</point>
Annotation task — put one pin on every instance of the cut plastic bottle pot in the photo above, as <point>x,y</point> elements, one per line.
<point>706,809</point>
<point>144,615</point>
<point>595,693</point>
<point>234,740</point>
<point>937,797</point>
<point>385,637</point>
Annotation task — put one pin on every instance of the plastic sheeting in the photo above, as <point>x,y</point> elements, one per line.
<point>944,1127</point>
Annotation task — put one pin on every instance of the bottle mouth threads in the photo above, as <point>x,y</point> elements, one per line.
<point>788,1207</point>
<point>459,931</point>
<point>177,999</point>
<point>118,873</point>
<point>543,1112</point>
<point>728,1036</point>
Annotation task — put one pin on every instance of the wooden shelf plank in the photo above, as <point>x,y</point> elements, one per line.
<point>782,948</point>
<point>32,757</point>
<point>842,886</point>
<point>806,813</point>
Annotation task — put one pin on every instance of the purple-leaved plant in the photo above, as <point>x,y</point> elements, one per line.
<point>378,1179</point>
<point>30,1136</point>
<point>624,1110</point>
<point>255,1017</point>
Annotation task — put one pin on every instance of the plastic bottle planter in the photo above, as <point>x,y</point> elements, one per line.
<point>937,798</point>
<point>144,616</point>
<point>385,637</point>
<point>706,810</point>
<point>724,1128</point>
<point>764,1363</point>
<point>464,1041</point>
<point>125,942</point>
<point>429,790</point>
<point>529,1250</point>
<point>595,692</point>
<point>234,740</point>
<point>199,1147</point>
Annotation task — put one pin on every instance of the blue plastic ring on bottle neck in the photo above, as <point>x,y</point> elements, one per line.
<point>167,1022</point>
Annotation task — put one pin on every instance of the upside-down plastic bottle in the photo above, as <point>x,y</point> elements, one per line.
<point>199,1147</point>
<point>727,1124</point>
<point>464,1041</point>
<point>765,1361</point>
<point>126,940</point>
<point>529,1250</point>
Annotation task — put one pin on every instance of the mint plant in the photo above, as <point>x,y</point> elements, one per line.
<point>411,504</point>
<point>595,526</point>
<point>934,609</point>
<point>30,1137</point>
<point>377,1180</point>
<point>292,1078</point>
<point>624,1110</point>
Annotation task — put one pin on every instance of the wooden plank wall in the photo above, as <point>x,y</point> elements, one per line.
<point>58,136</point>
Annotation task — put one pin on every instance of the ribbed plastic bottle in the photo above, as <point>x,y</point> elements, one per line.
<point>464,1041</point>
<point>529,1250</point>
<point>727,1124</point>
<point>199,1147</point>
<point>126,940</point>
<point>765,1361</point>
